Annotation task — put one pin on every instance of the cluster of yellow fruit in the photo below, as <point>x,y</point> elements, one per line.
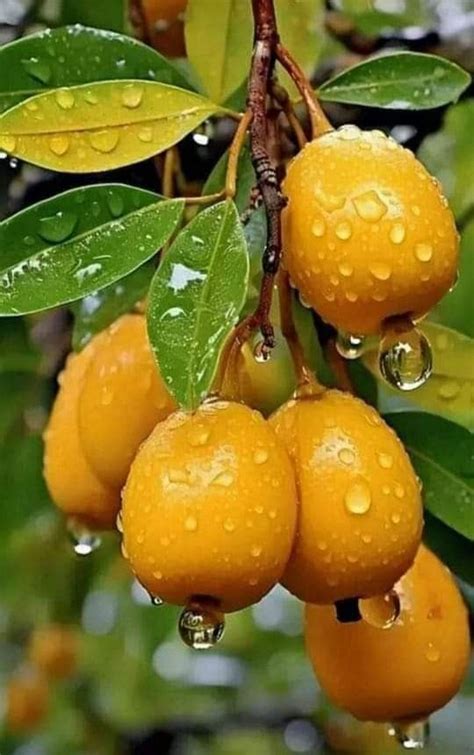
<point>220,504</point>
<point>51,656</point>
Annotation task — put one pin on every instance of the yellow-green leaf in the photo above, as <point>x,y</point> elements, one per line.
<point>301,23</point>
<point>101,126</point>
<point>450,389</point>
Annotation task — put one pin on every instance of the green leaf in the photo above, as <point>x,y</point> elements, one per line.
<point>455,309</point>
<point>101,126</point>
<point>66,216</point>
<point>88,262</point>
<point>106,14</point>
<point>401,81</point>
<point>98,310</point>
<point>76,55</point>
<point>246,178</point>
<point>454,550</point>
<point>443,456</point>
<point>195,300</point>
<point>301,23</point>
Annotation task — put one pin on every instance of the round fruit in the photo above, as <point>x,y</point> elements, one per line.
<point>71,481</point>
<point>360,516</point>
<point>368,233</point>
<point>164,19</point>
<point>122,399</point>
<point>53,650</point>
<point>406,671</point>
<point>209,508</point>
<point>26,701</point>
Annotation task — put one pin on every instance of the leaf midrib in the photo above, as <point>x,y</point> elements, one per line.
<point>371,85</point>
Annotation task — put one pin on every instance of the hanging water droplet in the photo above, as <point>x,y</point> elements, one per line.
<point>38,69</point>
<point>104,141</point>
<point>455,282</point>
<point>411,736</point>
<point>358,498</point>
<point>65,99</point>
<point>156,601</point>
<point>405,358</point>
<point>381,611</point>
<point>58,227</point>
<point>116,205</point>
<point>261,353</point>
<point>369,206</point>
<point>83,540</point>
<point>349,346</point>
<point>119,522</point>
<point>132,96</point>
<point>59,144</point>
<point>201,625</point>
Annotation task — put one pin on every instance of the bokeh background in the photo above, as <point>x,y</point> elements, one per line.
<point>138,689</point>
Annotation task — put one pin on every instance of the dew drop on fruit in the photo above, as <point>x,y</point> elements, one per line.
<point>423,252</point>
<point>369,206</point>
<point>201,625</point>
<point>358,498</point>
<point>397,233</point>
<point>84,541</point>
<point>156,601</point>
<point>411,736</point>
<point>119,522</point>
<point>319,228</point>
<point>349,345</point>
<point>381,611</point>
<point>344,230</point>
<point>405,357</point>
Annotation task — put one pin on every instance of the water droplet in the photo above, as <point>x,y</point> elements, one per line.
<point>344,230</point>
<point>449,390</point>
<point>395,518</point>
<point>59,144</point>
<point>385,460</point>
<point>198,436</point>
<point>65,99</point>
<point>380,270</point>
<point>146,134</point>
<point>423,252</point>
<point>119,522</point>
<point>224,479</point>
<point>261,353</point>
<point>328,201</point>
<point>132,96</point>
<point>366,539</point>
<point>369,206</point>
<point>260,456</point>
<point>7,143</point>
<point>229,525</point>
<point>349,346</point>
<point>405,358</point>
<point>358,498</point>
<point>256,551</point>
<point>416,210</point>
<point>411,736</point>
<point>397,233</point>
<point>156,601</point>
<point>381,611</point>
<point>58,227</point>
<point>83,540</point>
<point>319,227</point>
<point>351,296</point>
<point>91,98</point>
<point>177,476</point>
<point>191,524</point>
<point>31,105</point>
<point>346,456</point>
<point>399,490</point>
<point>105,140</point>
<point>349,132</point>
<point>38,69</point>
<point>116,205</point>
<point>201,625</point>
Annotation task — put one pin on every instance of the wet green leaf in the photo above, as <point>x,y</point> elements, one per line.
<point>454,550</point>
<point>88,262</point>
<point>77,55</point>
<point>301,24</point>
<point>101,126</point>
<point>455,309</point>
<point>98,310</point>
<point>195,300</point>
<point>401,81</point>
<point>443,456</point>
<point>106,14</point>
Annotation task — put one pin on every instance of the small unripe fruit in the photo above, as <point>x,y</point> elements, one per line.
<point>368,233</point>
<point>406,671</point>
<point>209,508</point>
<point>360,514</point>
<point>53,650</point>
<point>27,697</point>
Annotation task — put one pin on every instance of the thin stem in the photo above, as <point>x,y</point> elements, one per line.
<point>283,99</point>
<point>319,123</point>
<point>304,374</point>
<point>339,368</point>
<point>168,172</point>
<point>206,198</point>
<point>234,154</point>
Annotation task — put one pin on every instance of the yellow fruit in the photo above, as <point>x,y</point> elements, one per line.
<point>53,650</point>
<point>360,515</point>
<point>26,701</point>
<point>406,671</point>
<point>209,507</point>
<point>368,233</point>
<point>164,20</point>
<point>122,399</point>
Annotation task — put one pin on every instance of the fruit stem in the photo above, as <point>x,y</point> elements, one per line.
<point>282,97</point>
<point>168,172</point>
<point>234,154</point>
<point>319,123</point>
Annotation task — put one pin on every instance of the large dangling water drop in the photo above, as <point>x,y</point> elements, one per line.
<point>411,736</point>
<point>381,611</point>
<point>405,357</point>
<point>84,541</point>
<point>349,345</point>
<point>201,624</point>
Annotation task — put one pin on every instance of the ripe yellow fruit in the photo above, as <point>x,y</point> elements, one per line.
<point>209,508</point>
<point>27,697</point>
<point>406,671</point>
<point>360,516</point>
<point>164,19</point>
<point>368,233</point>
<point>122,399</point>
<point>53,650</point>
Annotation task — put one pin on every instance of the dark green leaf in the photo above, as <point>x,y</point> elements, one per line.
<point>196,297</point>
<point>17,354</point>
<point>65,217</point>
<point>90,261</point>
<point>401,81</point>
<point>77,55</point>
<point>98,310</point>
<point>453,549</point>
<point>455,309</point>
<point>443,456</point>
<point>106,14</point>
<point>246,178</point>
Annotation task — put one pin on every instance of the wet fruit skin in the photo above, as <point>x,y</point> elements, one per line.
<point>111,396</point>
<point>53,650</point>
<point>165,25</point>
<point>27,697</point>
<point>209,508</point>
<point>367,231</point>
<point>360,515</point>
<point>406,671</point>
